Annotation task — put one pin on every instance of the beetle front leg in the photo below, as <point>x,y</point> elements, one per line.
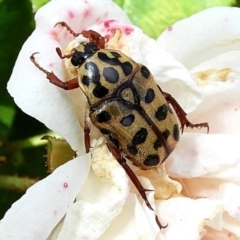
<point>93,36</point>
<point>68,85</point>
<point>182,115</point>
<point>122,161</point>
<point>64,24</point>
<point>59,53</point>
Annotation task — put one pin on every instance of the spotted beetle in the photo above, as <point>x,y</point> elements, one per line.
<point>125,104</point>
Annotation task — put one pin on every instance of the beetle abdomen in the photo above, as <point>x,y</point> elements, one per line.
<point>138,116</point>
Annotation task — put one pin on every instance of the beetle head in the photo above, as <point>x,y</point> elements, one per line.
<point>82,52</point>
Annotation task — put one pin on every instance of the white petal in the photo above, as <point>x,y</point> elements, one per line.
<point>99,201</point>
<point>78,14</point>
<point>203,35</point>
<point>46,202</point>
<point>219,74</point>
<point>132,223</point>
<point>187,217</point>
<point>34,94</point>
<point>216,189</point>
<point>212,234</point>
<point>231,225</point>
<point>221,111</point>
<point>200,154</point>
<point>29,86</point>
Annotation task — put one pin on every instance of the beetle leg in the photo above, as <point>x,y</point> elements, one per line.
<point>64,24</point>
<point>122,161</point>
<point>117,154</point>
<point>182,115</point>
<point>68,85</point>
<point>93,36</point>
<point>86,130</point>
<point>59,52</point>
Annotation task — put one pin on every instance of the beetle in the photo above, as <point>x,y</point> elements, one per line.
<point>125,104</point>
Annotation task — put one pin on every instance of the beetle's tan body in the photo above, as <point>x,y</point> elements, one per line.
<point>127,105</point>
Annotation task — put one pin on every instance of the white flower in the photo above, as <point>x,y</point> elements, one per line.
<point>206,165</point>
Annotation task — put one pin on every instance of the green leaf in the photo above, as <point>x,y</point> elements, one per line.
<point>154,16</point>
<point>6,115</point>
<point>38,3</point>
<point>14,183</point>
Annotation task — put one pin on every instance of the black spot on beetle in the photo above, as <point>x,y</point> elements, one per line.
<point>151,160</point>
<point>145,72</point>
<point>100,91</point>
<point>105,131</point>
<point>103,116</point>
<point>176,133</point>
<point>132,149</point>
<point>85,80</point>
<point>140,136</point>
<point>166,134</point>
<point>162,112</point>
<point>157,144</point>
<point>128,120</point>
<point>111,75</point>
<point>93,72</point>
<point>111,61</point>
<point>115,54</point>
<point>127,68</point>
<point>114,61</point>
<point>150,95</point>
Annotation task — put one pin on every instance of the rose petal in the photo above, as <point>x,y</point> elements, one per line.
<point>78,14</point>
<point>221,111</point>
<point>132,223</point>
<point>187,217</point>
<point>231,225</point>
<point>200,154</point>
<point>213,234</point>
<point>216,189</point>
<point>99,201</point>
<point>200,37</point>
<point>218,74</point>
<point>46,202</point>
<point>29,86</point>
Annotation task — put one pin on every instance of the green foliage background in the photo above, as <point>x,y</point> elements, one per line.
<point>21,150</point>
